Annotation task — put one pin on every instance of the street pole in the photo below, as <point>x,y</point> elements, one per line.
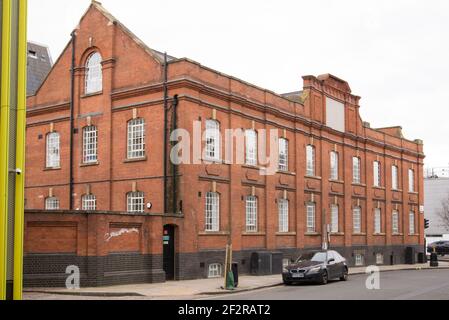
<point>12,145</point>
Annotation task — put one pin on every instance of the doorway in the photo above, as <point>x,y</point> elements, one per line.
<point>169,252</point>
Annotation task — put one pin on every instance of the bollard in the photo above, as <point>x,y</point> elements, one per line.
<point>434,259</point>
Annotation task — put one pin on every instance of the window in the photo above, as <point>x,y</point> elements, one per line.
<point>377,174</point>
<point>215,270</point>
<point>334,165</point>
<point>411,180</point>
<point>94,74</point>
<point>412,222</point>
<point>377,221</point>
<point>359,260</point>
<point>394,178</point>
<point>283,154</point>
<point>251,147</point>
<point>395,222</point>
<point>52,203</point>
<point>135,202</point>
<point>311,218</point>
<point>136,139</point>
<point>356,170</point>
<point>379,258</point>
<point>212,212</point>
<point>310,153</point>
<point>53,150</point>
<point>89,202</point>
<point>335,219</point>
<point>212,140</point>
<point>90,144</point>
<point>283,215</point>
<point>357,220</point>
<point>251,214</point>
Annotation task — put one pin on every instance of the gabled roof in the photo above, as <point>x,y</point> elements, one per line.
<point>39,64</point>
<point>159,56</point>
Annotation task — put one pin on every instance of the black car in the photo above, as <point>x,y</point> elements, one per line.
<point>441,247</point>
<point>317,266</point>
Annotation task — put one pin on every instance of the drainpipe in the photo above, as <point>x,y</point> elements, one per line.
<point>72,112</point>
<point>175,126</point>
<point>165,130</point>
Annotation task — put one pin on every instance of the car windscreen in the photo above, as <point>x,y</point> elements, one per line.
<point>313,256</point>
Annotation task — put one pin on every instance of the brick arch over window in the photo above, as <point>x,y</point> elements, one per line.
<point>94,73</point>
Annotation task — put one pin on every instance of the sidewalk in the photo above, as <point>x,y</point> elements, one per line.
<point>202,287</point>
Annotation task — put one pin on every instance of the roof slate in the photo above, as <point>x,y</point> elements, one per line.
<point>39,64</point>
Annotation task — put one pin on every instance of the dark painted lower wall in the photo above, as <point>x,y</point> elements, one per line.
<point>117,269</point>
<point>50,270</point>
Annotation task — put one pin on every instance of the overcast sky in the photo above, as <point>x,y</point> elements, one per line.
<point>394,54</point>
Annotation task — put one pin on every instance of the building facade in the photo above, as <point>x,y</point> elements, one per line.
<point>436,190</point>
<point>97,148</point>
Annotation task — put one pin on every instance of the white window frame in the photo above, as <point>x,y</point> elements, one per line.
<point>212,222</point>
<point>359,260</point>
<point>94,74</point>
<point>412,225</point>
<point>380,258</point>
<point>215,270</point>
<point>357,220</point>
<point>89,202</point>
<point>135,202</point>
<point>334,162</point>
<point>251,147</point>
<point>90,144</point>
<point>251,204</point>
<point>283,154</point>
<point>356,170</point>
<point>213,145</point>
<point>395,177</point>
<point>136,138</point>
<point>411,180</point>
<point>283,209</point>
<point>377,174</point>
<point>52,203</point>
<point>395,222</point>
<point>53,150</point>
<point>310,160</point>
<point>311,217</point>
<point>377,221</point>
<point>335,218</point>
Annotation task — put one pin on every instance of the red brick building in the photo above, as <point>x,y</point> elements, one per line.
<point>98,196</point>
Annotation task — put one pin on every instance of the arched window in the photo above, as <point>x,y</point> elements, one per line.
<point>310,153</point>
<point>135,202</point>
<point>52,203</point>
<point>53,150</point>
<point>251,214</point>
<point>94,74</point>
<point>89,202</point>
<point>136,138</point>
<point>212,140</point>
<point>212,212</point>
<point>251,147</point>
<point>90,144</point>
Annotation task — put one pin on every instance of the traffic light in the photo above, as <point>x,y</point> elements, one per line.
<point>426,224</point>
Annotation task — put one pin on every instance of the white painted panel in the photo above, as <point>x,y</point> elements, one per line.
<point>335,114</point>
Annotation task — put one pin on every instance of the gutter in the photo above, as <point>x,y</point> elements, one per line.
<point>165,130</point>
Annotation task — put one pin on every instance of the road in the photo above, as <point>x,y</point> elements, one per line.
<point>398,285</point>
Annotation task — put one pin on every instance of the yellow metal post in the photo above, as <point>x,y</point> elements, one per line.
<point>4,140</point>
<point>19,215</point>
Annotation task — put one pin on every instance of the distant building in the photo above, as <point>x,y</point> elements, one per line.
<point>436,190</point>
<point>39,64</point>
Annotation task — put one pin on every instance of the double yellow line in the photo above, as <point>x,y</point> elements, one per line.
<point>7,88</point>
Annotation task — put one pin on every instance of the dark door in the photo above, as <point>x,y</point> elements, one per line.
<point>169,252</point>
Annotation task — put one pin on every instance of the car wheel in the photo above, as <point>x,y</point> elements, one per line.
<point>345,275</point>
<point>324,278</point>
